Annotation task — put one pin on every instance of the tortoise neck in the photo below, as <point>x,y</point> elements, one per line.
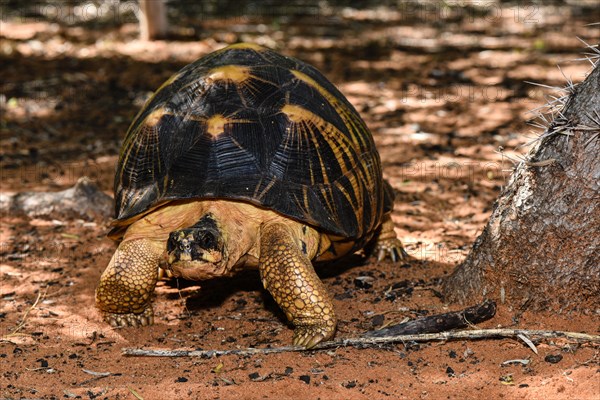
<point>238,224</point>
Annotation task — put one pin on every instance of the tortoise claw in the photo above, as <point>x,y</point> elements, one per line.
<point>308,336</point>
<point>145,318</point>
<point>164,274</point>
<point>392,248</point>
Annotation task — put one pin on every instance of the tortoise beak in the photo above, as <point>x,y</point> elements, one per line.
<point>195,246</point>
<point>197,252</point>
<point>179,247</point>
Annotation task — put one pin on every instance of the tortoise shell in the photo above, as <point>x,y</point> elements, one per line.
<point>248,124</point>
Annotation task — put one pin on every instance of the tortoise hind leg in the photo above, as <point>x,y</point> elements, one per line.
<point>387,243</point>
<point>127,284</point>
<point>288,274</point>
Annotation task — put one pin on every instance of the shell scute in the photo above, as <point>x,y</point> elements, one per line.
<point>248,124</point>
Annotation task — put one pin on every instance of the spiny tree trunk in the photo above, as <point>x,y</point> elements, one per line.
<point>541,247</point>
<point>153,19</point>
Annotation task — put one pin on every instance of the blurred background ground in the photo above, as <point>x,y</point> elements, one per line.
<point>443,87</point>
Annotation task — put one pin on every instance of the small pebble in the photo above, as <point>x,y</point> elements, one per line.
<point>305,378</point>
<point>553,358</point>
<point>343,296</point>
<point>253,376</point>
<point>364,282</point>
<point>377,320</point>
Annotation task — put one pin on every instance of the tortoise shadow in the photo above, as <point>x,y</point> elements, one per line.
<point>215,292</point>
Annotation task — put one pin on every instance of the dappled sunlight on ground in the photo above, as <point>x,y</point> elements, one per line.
<point>444,94</point>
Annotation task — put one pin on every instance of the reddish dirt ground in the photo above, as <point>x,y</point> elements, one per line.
<point>444,93</point>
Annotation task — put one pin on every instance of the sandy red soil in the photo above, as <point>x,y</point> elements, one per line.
<point>445,97</point>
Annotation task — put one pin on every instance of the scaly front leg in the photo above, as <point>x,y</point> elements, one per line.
<point>289,276</point>
<point>126,286</point>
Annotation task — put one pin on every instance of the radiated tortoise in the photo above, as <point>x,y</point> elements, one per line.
<point>245,158</point>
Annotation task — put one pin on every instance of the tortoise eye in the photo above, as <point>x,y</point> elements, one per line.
<point>207,240</point>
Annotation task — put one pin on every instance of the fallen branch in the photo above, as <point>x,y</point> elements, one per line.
<point>440,322</point>
<point>364,342</point>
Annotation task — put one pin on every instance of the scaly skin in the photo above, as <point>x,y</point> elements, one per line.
<point>282,249</point>
<point>126,286</point>
<point>387,244</point>
<point>287,273</point>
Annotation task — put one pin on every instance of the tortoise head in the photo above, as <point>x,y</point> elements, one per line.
<point>197,252</point>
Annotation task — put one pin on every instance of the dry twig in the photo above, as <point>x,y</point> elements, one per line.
<point>364,342</point>
<point>14,333</point>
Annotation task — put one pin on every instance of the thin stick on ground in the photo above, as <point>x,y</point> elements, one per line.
<point>14,333</point>
<point>364,342</point>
